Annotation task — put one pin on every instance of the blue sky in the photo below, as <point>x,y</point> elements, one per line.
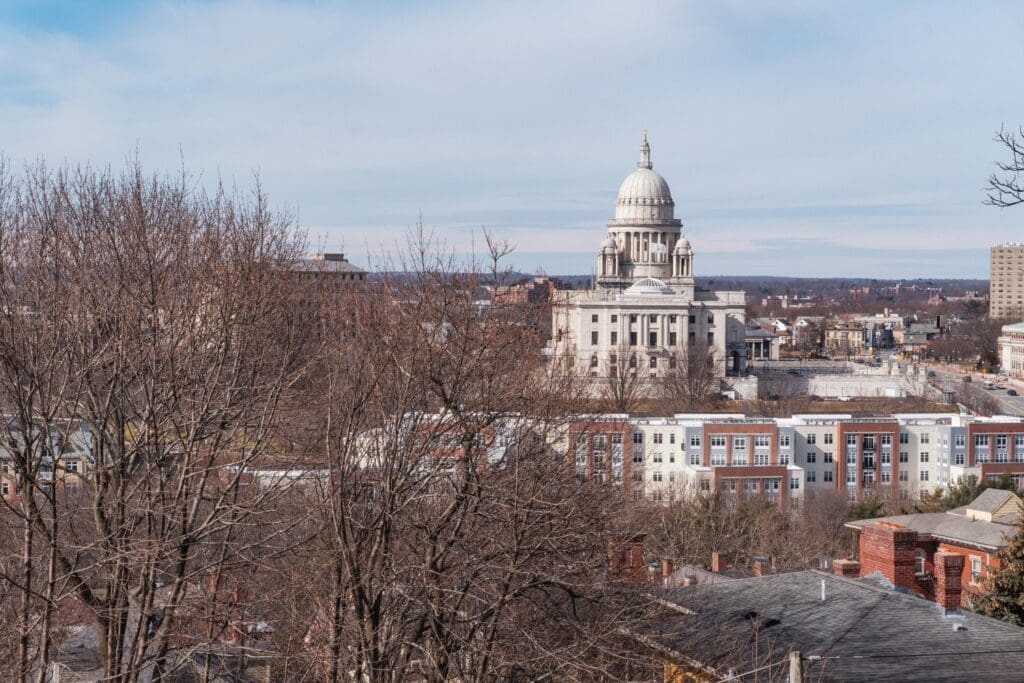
<point>799,138</point>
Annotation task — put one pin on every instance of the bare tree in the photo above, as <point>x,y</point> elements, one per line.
<point>156,321</point>
<point>628,382</point>
<point>1006,188</point>
<point>691,382</point>
<point>454,541</point>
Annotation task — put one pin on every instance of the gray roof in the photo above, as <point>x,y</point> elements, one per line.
<point>949,527</point>
<point>321,265</point>
<point>862,631</point>
<point>990,500</point>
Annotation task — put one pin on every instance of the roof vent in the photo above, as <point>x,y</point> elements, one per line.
<point>959,626</point>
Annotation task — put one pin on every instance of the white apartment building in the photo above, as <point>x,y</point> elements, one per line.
<point>1011,350</point>
<point>784,458</point>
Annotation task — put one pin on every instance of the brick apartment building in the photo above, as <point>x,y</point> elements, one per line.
<point>784,458</point>
<point>934,554</point>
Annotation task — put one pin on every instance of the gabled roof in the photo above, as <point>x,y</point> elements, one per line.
<point>861,631</point>
<point>994,502</point>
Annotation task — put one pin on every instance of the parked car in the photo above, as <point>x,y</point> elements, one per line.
<point>931,373</point>
<point>1011,392</point>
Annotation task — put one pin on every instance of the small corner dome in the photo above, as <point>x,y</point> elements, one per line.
<point>683,246</point>
<point>649,285</point>
<point>609,244</point>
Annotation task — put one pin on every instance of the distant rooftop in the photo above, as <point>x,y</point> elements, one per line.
<point>325,262</point>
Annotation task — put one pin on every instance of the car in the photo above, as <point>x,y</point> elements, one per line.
<point>931,373</point>
<point>1011,392</point>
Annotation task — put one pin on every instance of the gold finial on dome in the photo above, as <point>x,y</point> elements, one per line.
<point>645,153</point>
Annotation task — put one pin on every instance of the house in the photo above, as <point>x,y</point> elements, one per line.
<point>904,547</point>
<point>817,626</point>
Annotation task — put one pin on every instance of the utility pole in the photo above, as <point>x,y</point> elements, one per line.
<point>796,667</point>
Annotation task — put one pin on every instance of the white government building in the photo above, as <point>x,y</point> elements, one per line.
<point>645,311</point>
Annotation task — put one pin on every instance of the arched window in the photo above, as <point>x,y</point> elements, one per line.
<point>919,559</point>
<point>593,361</point>
<point>654,363</point>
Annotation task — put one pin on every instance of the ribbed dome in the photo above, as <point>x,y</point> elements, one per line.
<point>648,285</point>
<point>610,244</point>
<point>644,195</point>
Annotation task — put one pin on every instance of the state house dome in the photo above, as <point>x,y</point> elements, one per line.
<point>644,195</point>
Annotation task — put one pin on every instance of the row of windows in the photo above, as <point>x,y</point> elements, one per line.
<point>716,440</point>
<point>653,317</point>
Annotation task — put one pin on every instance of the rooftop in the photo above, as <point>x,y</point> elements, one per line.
<point>861,631</point>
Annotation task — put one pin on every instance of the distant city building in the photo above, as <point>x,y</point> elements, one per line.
<point>1006,288</point>
<point>784,458</point>
<point>1011,350</point>
<point>646,311</point>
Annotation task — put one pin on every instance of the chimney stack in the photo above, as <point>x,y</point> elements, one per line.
<point>949,569</point>
<point>718,562</point>
<point>761,566</point>
<point>666,567</point>
<point>847,568</point>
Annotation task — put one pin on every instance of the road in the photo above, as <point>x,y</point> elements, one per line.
<point>1010,405</point>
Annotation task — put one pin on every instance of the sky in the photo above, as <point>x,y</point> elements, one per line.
<point>798,138</point>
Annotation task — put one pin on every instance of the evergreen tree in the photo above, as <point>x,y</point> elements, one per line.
<point>1004,589</point>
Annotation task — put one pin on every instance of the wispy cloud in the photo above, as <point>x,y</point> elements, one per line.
<point>782,127</point>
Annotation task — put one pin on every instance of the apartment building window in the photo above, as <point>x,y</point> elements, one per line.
<point>593,318</point>
<point>812,439</point>
<point>827,458</point>
<point>924,456</point>
<point>981,440</point>
<point>975,564</point>
<point>794,483</point>
<point>904,438</point>
<point>656,457</point>
<point>885,476</point>
<point>762,459</point>
<point>958,458</point>
<point>886,439</point>
<point>593,338</point>
<point>695,440</point>
<point>784,440</point>
<point>904,456</point>
<point>886,458</point>
<point>739,443</point>
<point>924,475</point>
<point>695,459</point>
<point>919,558</point>
<point>672,437</point>
<point>903,476</point>
<point>638,437</point>
<point>717,457</point>
<point>828,439</point>
<point>812,457</point>
<point>826,475</point>
<point>705,484</point>
<point>925,438</point>
<point>851,439</point>
<point>5,489</point>
<point>811,476</point>
<point>657,437</point>
<point>4,467</point>
<point>762,441</point>
<point>718,440</point>
<point>638,475</point>
<point>638,456</point>
<point>960,440</point>
<point>851,476</point>
<point>655,476</point>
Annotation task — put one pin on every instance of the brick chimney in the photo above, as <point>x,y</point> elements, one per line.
<point>760,566</point>
<point>718,562</point>
<point>626,559</point>
<point>847,568</point>
<point>890,549</point>
<point>949,568</point>
<point>666,567</point>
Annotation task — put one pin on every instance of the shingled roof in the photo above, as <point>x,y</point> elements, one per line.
<point>862,631</point>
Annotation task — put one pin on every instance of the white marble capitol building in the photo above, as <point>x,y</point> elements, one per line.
<point>645,312</point>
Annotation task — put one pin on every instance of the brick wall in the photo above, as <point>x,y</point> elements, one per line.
<point>890,549</point>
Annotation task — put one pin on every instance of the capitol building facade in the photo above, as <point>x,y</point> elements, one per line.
<point>645,314</point>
